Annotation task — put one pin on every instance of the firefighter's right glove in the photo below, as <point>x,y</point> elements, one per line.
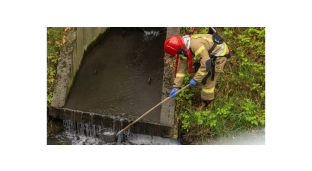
<point>172,93</point>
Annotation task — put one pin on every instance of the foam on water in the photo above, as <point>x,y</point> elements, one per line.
<point>77,133</point>
<point>83,134</point>
<point>108,133</point>
<point>148,35</point>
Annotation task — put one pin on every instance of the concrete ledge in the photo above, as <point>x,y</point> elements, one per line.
<point>116,123</point>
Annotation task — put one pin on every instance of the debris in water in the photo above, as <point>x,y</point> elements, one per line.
<point>149,81</point>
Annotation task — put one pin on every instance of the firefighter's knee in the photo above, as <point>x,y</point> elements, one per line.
<point>207,93</point>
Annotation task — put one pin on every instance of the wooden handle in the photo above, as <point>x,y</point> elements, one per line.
<point>151,110</point>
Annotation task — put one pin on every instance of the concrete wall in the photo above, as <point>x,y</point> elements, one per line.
<point>167,116</point>
<point>71,55</point>
<point>86,36</point>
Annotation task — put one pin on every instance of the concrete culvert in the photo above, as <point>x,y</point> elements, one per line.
<point>110,78</point>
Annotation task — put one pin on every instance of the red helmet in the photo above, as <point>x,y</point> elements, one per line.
<point>173,44</point>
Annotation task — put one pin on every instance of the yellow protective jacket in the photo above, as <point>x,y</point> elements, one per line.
<point>199,45</point>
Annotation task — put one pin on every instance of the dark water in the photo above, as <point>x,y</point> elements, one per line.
<point>113,77</point>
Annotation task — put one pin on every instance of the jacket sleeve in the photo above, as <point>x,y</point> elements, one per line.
<point>182,64</point>
<point>200,52</point>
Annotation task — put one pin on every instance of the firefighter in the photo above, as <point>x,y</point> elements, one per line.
<point>203,54</point>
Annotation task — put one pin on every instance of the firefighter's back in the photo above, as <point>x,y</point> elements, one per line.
<point>207,41</point>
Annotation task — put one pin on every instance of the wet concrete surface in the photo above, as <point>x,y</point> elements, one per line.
<point>121,76</point>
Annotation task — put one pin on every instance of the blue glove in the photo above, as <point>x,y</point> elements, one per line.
<point>172,93</point>
<point>192,82</point>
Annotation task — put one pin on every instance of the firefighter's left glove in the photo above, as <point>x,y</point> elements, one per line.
<point>192,82</point>
<point>172,93</point>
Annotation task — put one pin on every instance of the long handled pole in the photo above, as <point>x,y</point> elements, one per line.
<point>151,110</point>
